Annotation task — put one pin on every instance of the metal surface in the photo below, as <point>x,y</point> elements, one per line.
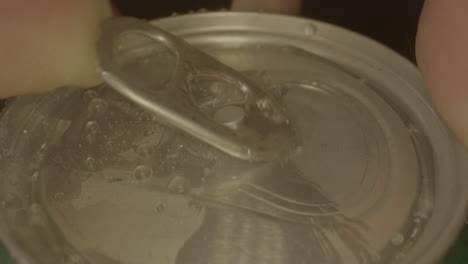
<point>190,88</point>
<point>89,177</point>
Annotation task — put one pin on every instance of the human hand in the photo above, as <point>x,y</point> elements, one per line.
<point>442,52</point>
<point>51,43</point>
<point>47,44</point>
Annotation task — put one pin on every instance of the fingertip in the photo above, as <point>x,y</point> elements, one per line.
<point>48,44</point>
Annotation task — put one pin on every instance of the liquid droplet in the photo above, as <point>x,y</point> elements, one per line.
<point>265,105</point>
<point>42,151</point>
<point>90,163</point>
<point>298,149</point>
<point>25,131</point>
<point>267,108</point>
<point>35,177</point>
<point>178,184</point>
<point>160,207</point>
<point>142,173</point>
<point>92,127</point>
<point>97,107</point>
<point>110,146</point>
<point>310,30</point>
<point>89,95</point>
<point>398,239</point>
<point>59,196</point>
<point>196,205</point>
<point>248,152</point>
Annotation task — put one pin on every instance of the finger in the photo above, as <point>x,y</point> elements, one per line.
<point>442,53</point>
<point>47,44</point>
<point>292,7</point>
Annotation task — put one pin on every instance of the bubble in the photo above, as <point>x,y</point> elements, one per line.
<point>11,201</point>
<point>265,105</point>
<point>59,196</point>
<point>145,151</point>
<point>35,177</point>
<point>90,163</point>
<point>267,108</point>
<point>92,127</point>
<point>178,184</point>
<point>42,151</point>
<point>142,173</point>
<point>160,207</point>
<point>398,239</point>
<point>417,222</point>
<point>110,146</point>
<point>310,29</point>
<point>298,149</point>
<point>89,95</point>
<point>37,216</point>
<point>97,107</point>
<point>247,151</point>
<point>196,206</point>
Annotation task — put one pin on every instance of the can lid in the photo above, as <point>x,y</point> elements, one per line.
<point>244,121</point>
<point>374,176</point>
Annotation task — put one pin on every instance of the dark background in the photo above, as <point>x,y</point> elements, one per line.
<point>392,22</point>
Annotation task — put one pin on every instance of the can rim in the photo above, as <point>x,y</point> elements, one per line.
<point>292,26</point>
<point>396,62</point>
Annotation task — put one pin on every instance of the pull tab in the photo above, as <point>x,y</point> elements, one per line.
<point>192,91</point>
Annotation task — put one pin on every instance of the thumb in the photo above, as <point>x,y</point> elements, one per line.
<point>47,44</point>
<point>442,51</point>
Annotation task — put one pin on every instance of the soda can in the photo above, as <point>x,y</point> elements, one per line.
<point>373,176</point>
